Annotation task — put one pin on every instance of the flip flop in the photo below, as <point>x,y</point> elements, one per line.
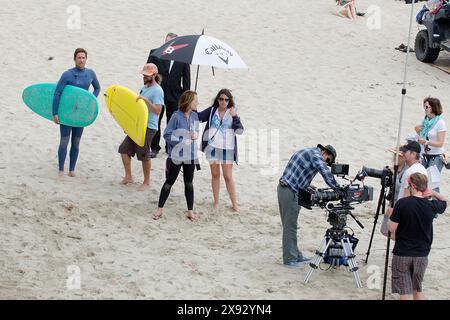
<point>157,217</point>
<point>193,219</point>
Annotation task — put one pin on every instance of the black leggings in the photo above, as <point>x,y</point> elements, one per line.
<point>172,174</point>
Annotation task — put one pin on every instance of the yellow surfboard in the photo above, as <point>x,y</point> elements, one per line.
<point>131,116</point>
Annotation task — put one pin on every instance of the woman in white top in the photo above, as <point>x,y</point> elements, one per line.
<point>432,137</point>
<point>219,142</point>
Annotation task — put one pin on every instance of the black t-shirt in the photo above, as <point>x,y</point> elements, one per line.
<point>414,233</point>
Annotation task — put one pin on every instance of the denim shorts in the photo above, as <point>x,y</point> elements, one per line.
<point>220,155</point>
<point>433,160</point>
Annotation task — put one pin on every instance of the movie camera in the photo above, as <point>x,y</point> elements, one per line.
<point>338,246</point>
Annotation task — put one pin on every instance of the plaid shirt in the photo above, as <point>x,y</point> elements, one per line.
<point>303,166</point>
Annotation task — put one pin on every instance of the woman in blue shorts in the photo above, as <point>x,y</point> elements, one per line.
<point>220,144</point>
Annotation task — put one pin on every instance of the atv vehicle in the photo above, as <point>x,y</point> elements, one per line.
<point>436,37</point>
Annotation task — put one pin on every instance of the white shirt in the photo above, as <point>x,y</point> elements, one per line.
<point>221,134</point>
<point>432,135</point>
<point>416,167</point>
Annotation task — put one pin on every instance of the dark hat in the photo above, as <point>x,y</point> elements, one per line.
<point>413,146</point>
<point>329,148</point>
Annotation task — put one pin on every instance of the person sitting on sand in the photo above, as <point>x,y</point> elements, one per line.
<point>346,9</point>
<point>181,136</point>
<point>153,96</point>
<point>81,77</point>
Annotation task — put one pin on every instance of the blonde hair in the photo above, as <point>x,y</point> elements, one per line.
<point>418,181</point>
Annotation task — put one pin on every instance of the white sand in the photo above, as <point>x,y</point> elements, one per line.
<point>313,76</point>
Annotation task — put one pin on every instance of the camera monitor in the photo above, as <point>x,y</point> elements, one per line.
<point>339,169</point>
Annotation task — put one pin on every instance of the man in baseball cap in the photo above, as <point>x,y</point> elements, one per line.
<point>412,158</point>
<point>153,96</point>
<point>149,69</point>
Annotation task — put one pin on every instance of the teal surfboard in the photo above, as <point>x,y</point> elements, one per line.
<point>77,107</point>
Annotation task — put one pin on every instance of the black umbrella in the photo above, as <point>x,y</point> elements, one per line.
<point>200,50</point>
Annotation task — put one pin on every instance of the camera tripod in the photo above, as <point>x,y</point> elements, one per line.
<point>385,193</point>
<point>340,237</point>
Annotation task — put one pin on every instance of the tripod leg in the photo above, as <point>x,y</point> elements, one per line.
<point>346,245</point>
<point>381,203</point>
<point>317,258</point>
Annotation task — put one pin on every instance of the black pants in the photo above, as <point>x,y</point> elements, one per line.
<point>172,174</point>
<point>170,109</point>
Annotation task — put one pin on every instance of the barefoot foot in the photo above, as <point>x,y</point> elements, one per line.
<point>144,186</point>
<point>127,180</point>
<point>235,208</point>
<point>61,174</point>
<point>72,174</point>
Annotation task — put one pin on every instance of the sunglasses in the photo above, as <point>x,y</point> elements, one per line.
<point>224,99</point>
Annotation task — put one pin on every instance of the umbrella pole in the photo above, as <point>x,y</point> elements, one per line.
<point>198,67</point>
<point>386,264</point>
<point>196,78</point>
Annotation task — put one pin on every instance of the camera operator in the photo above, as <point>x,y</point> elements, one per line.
<point>298,174</point>
<point>411,225</point>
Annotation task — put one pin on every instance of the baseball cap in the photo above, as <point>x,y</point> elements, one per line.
<point>149,69</point>
<point>413,146</point>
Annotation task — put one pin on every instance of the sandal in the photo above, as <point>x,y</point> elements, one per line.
<point>193,218</point>
<point>157,216</point>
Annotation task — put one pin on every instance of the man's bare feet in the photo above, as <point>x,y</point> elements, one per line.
<point>72,174</point>
<point>157,214</point>
<point>235,208</point>
<point>192,216</point>
<point>127,180</point>
<point>144,186</point>
<point>216,206</point>
<point>61,174</point>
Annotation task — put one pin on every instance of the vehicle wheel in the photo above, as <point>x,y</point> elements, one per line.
<point>422,48</point>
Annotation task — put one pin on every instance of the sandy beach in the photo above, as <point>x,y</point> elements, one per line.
<point>313,77</point>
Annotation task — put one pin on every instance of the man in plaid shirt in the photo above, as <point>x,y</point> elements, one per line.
<point>300,171</point>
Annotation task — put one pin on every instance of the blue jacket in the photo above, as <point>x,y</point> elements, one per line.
<point>237,126</point>
<point>179,130</point>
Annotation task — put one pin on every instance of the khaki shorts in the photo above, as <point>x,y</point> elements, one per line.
<point>407,274</point>
<point>128,146</point>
